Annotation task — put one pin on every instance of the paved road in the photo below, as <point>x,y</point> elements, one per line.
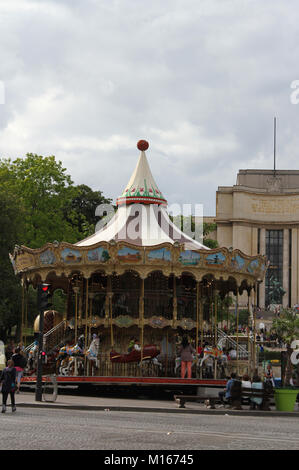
<point>49,429</point>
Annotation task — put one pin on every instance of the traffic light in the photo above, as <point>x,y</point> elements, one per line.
<point>43,297</point>
<point>44,357</point>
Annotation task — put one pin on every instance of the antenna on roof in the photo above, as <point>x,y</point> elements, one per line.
<point>274,146</point>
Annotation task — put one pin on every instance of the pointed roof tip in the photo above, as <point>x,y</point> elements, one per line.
<point>142,145</point>
<point>142,188</point>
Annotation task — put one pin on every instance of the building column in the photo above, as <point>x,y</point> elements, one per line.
<point>294,266</point>
<point>262,286</point>
<point>285,267</point>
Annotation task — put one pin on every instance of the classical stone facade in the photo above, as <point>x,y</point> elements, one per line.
<point>260,215</point>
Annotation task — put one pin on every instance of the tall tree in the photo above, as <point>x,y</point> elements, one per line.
<point>81,210</point>
<point>11,230</point>
<point>44,190</point>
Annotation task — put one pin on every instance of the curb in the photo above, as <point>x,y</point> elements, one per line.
<point>226,412</point>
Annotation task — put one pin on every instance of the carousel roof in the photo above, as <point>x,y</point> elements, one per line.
<point>141,217</point>
<point>142,187</point>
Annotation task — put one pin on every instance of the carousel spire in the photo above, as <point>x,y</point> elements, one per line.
<point>142,187</point>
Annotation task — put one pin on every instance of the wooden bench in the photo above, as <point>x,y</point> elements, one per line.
<point>264,393</point>
<point>235,402</point>
<point>182,399</point>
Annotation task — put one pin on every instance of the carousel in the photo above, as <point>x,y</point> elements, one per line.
<point>135,288</point>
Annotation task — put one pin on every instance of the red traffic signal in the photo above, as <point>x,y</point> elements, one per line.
<point>43,297</point>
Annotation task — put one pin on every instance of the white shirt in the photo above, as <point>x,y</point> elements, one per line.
<point>246,384</point>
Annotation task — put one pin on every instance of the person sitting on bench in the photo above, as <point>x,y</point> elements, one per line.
<point>225,395</point>
<point>256,384</point>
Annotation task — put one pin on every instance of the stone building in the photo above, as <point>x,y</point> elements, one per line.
<point>260,215</point>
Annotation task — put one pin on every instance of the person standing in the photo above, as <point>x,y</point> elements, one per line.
<point>186,353</point>
<point>8,381</point>
<point>20,362</point>
<point>269,376</point>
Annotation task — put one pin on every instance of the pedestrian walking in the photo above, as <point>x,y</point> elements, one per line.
<point>8,382</point>
<point>186,353</point>
<point>20,363</point>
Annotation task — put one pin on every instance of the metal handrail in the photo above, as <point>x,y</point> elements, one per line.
<point>46,335</point>
<point>242,351</point>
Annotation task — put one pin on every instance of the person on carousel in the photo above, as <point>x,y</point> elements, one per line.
<point>133,344</point>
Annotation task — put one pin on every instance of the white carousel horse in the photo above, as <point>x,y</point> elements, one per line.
<point>210,358</point>
<point>32,356</point>
<point>210,352</point>
<point>177,366</point>
<point>93,352</point>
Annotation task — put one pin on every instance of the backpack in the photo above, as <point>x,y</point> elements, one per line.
<point>23,362</point>
<point>236,389</point>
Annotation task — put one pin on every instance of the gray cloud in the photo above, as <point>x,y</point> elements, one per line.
<point>201,81</point>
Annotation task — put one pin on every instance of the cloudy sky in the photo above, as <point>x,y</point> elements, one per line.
<point>201,80</point>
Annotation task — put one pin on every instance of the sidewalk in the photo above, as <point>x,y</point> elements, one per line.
<point>75,402</point>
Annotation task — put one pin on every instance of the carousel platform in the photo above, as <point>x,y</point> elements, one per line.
<point>139,381</point>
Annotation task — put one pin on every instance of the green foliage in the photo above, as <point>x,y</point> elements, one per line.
<point>187,225</point>
<point>43,189</point>
<point>38,204</point>
<point>81,209</point>
<point>286,326</point>
<point>11,228</point>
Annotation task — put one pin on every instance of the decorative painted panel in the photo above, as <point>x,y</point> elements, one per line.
<point>124,321</point>
<point>99,254</point>
<point>189,258</point>
<point>70,256</point>
<point>215,258</point>
<point>47,257</point>
<point>161,255</point>
<point>238,262</point>
<point>158,322</point>
<point>253,266</point>
<point>128,255</point>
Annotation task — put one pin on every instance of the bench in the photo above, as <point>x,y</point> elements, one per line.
<point>235,402</point>
<point>264,393</point>
<point>182,399</point>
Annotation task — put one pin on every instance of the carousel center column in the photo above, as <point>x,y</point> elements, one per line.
<point>141,317</point>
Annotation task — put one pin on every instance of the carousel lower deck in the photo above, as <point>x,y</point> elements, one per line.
<point>139,381</point>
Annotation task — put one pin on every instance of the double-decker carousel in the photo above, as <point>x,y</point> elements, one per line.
<point>135,288</point>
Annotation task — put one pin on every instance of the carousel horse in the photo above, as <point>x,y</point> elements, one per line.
<point>209,351</point>
<point>177,365</point>
<point>210,357</point>
<point>93,352</point>
<point>150,351</point>
<point>32,356</point>
<point>68,355</point>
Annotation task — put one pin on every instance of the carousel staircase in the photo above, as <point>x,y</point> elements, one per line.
<point>231,343</point>
<point>53,338</point>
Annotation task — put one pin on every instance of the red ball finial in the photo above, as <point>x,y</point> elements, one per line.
<point>142,145</point>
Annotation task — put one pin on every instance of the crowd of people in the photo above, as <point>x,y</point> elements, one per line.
<point>245,382</point>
